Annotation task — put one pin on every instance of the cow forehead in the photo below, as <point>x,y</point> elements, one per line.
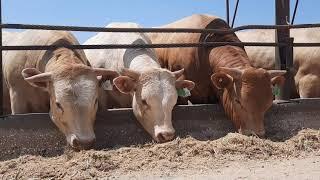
<point>157,85</point>
<point>254,75</point>
<point>155,75</point>
<point>79,90</point>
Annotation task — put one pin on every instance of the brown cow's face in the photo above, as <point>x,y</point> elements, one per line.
<point>154,96</point>
<point>73,95</point>
<point>249,92</point>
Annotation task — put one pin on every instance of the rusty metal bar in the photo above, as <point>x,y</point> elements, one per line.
<point>235,13</point>
<point>294,12</point>
<point>283,55</point>
<point>227,12</point>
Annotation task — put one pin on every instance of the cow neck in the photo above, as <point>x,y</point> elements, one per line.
<point>58,57</point>
<point>137,59</point>
<point>229,107</point>
<point>231,57</point>
<point>62,56</point>
<point>46,57</point>
<point>228,56</point>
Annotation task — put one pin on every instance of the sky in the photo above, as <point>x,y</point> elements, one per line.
<point>148,13</point>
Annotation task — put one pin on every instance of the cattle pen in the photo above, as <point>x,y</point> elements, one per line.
<point>35,134</point>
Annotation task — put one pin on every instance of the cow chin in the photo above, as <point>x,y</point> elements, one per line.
<point>160,133</point>
<point>81,142</point>
<point>163,133</point>
<point>253,126</point>
<point>78,141</point>
<point>249,132</point>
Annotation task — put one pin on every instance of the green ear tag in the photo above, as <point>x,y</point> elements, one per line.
<point>276,90</point>
<point>183,92</point>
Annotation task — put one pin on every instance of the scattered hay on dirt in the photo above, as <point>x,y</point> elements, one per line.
<point>162,159</point>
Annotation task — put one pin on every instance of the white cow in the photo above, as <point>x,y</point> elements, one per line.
<point>306,59</point>
<point>58,81</point>
<point>150,89</point>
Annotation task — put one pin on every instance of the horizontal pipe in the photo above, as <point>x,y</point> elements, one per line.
<point>154,30</point>
<point>133,46</point>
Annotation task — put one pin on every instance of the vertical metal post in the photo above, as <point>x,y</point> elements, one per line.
<point>295,11</point>
<point>227,11</point>
<point>235,13</point>
<point>284,55</point>
<point>1,72</point>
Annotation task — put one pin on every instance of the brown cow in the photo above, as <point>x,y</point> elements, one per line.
<point>244,91</point>
<point>58,81</point>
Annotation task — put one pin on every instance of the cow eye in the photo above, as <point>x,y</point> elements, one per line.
<point>59,106</point>
<point>96,102</point>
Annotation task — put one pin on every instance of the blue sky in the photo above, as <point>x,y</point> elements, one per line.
<point>148,13</point>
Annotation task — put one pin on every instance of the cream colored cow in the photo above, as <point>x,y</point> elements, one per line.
<point>150,89</point>
<point>306,59</point>
<point>59,81</point>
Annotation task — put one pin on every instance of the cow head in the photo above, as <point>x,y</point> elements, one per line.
<point>154,96</point>
<point>247,95</point>
<point>73,91</point>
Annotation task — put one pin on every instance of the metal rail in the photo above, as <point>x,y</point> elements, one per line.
<point>235,13</point>
<point>228,12</point>
<point>294,12</point>
<point>133,46</point>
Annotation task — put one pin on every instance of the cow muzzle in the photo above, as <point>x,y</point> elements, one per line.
<point>81,143</point>
<point>164,136</point>
<point>247,132</point>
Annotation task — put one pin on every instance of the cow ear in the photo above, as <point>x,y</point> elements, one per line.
<point>125,84</point>
<point>36,78</point>
<point>221,80</point>
<point>180,84</point>
<point>278,80</point>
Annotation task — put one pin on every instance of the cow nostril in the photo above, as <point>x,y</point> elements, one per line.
<point>74,141</point>
<point>160,137</point>
<point>81,144</point>
<point>165,136</point>
<point>262,134</point>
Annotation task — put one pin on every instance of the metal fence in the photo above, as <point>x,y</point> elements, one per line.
<point>280,7</point>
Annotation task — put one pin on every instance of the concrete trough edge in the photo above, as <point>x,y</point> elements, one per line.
<point>35,133</point>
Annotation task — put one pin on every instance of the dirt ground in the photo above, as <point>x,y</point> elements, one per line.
<point>232,157</point>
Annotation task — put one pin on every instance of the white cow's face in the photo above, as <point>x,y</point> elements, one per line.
<point>73,107</point>
<point>73,92</point>
<point>154,96</point>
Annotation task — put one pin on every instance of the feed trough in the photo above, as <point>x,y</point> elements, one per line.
<point>35,133</point>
